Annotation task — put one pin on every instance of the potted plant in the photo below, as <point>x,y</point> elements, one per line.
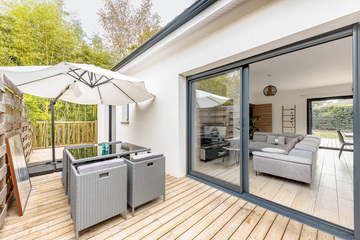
<point>252,127</point>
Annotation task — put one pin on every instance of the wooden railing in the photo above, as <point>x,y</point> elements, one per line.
<point>66,133</point>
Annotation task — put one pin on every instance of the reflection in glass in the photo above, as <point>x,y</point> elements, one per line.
<point>215,129</point>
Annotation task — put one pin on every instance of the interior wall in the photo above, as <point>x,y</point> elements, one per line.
<point>299,98</point>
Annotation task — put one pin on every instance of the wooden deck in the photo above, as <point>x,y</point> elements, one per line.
<point>192,210</point>
<point>329,196</point>
<point>333,143</point>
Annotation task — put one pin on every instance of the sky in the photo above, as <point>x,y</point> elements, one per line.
<point>86,11</point>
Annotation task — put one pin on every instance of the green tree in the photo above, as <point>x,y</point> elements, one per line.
<point>126,27</point>
<point>37,32</point>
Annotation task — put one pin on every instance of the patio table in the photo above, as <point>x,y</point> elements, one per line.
<point>86,153</point>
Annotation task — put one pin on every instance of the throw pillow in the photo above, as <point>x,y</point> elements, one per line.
<point>281,140</point>
<point>274,150</point>
<point>271,139</point>
<point>300,138</point>
<point>290,145</point>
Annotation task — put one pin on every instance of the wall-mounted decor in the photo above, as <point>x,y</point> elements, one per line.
<point>19,171</point>
<point>289,119</point>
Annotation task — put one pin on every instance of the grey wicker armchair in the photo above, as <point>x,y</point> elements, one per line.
<point>146,178</point>
<point>97,193</point>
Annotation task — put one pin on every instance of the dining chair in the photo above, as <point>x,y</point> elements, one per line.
<point>342,142</point>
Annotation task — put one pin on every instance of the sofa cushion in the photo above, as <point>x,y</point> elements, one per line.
<point>97,166</point>
<point>281,140</point>
<point>259,138</point>
<point>282,157</point>
<point>308,145</point>
<point>146,156</point>
<point>257,146</point>
<point>271,139</point>
<point>274,150</point>
<point>290,145</point>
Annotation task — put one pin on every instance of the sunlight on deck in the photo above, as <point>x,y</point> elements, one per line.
<point>191,210</point>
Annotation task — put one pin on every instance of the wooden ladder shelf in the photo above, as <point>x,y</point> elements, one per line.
<point>289,119</point>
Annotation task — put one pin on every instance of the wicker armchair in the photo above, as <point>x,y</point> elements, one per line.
<point>146,179</point>
<point>97,195</point>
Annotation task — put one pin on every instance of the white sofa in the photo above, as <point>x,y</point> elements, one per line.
<point>297,162</point>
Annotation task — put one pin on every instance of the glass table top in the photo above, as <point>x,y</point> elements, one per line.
<point>97,151</point>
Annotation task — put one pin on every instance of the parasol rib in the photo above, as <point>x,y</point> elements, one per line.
<point>100,95</point>
<point>40,79</point>
<point>123,92</point>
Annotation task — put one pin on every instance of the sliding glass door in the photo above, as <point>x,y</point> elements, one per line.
<point>325,193</point>
<point>215,127</point>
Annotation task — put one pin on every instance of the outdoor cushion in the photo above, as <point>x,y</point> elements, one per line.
<point>93,167</point>
<point>274,150</point>
<point>290,145</point>
<point>146,156</point>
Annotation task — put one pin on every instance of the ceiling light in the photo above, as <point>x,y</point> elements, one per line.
<point>270,90</point>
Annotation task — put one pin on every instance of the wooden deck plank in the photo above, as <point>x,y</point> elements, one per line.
<point>277,228</point>
<point>189,222</point>
<point>191,210</point>
<point>248,225</point>
<point>204,222</point>
<point>230,227</point>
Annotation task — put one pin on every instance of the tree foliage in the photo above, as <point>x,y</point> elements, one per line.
<point>226,85</point>
<point>37,32</point>
<point>333,117</point>
<point>128,27</point>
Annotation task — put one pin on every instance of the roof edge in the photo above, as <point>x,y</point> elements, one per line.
<point>179,21</point>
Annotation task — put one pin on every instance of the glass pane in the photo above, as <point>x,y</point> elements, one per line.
<point>330,115</point>
<point>287,165</point>
<point>215,129</point>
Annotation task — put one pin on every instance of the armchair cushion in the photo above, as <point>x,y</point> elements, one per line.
<point>146,156</point>
<point>92,167</point>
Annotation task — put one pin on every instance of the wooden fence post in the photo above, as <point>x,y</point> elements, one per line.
<point>46,135</point>
<point>34,135</point>
<point>63,134</point>
<point>92,132</point>
<point>69,131</point>
<point>40,136</point>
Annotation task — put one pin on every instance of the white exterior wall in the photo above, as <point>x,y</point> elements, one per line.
<point>103,123</point>
<point>251,28</point>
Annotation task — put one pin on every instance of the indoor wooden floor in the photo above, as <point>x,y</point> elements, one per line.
<point>330,196</point>
<point>192,210</point>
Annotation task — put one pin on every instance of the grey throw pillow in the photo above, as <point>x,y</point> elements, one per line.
<point>271,139</point>
<point>281,140</point>
<point>290,145</point>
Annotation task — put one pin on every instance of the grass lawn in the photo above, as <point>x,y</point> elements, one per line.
<point>327,133</point>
